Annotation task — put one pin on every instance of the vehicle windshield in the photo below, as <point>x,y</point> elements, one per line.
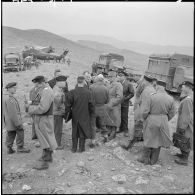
<point>11,60</point>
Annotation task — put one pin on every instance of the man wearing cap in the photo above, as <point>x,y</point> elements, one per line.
<point>101,97</point>
<point>59,108</point>
<point>128,93</point>
<point>44,126</point>
<point>145,91</point>
<point>185,121</point>
<point>80,103</point>
<point>13,120</point>
<point>158,109</point>
<point>113,108</point>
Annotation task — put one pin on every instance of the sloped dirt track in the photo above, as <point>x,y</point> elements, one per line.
<point>104,169</point>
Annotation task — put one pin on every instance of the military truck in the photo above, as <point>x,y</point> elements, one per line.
<point>108,61</point>
<point>172,69</point>
<point>13,62</point>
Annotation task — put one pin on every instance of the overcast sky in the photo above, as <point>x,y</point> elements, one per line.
<point>156,23</point>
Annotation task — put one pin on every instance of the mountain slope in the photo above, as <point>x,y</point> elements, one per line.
<point>84,54</point>
<point>15,38</point>
<point>140,47</point>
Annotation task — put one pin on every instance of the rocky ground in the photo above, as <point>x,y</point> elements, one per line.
<point>106,168</point>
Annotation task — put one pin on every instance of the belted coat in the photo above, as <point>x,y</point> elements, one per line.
<point>157,111</point>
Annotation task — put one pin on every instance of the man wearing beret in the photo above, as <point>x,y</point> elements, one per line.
<point>185,121</point>
<point>80,102</point>
<point>44,127</point>
<point>13,120</point>
<point>52,82</point>
<point>128,93</point>
<point>156,112</point>
<point>113,108</point>
<point>59,108</point>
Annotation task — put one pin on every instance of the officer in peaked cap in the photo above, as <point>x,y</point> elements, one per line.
<point>10,85</point>
<point>38,79</point>
<point>188,84</point>
<point>148,78</point>
<point>185,122</point>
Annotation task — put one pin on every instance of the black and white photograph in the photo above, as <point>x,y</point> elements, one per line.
<point>97,97</point>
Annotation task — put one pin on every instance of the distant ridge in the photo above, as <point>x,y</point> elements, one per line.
<point>14,38</point>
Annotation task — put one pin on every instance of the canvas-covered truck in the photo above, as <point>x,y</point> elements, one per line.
<point>108,61</point>
<point>13,62</point>
<point>172,69</point>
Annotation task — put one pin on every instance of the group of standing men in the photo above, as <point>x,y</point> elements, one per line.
<point>102,103</point>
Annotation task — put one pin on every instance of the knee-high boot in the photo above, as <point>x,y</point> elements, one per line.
<point>154,155</point>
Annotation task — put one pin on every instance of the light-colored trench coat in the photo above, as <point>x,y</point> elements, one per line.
<point>114,104</point>
<point>44,125</point>
<point>185,118</point>
<point>157,111</point>
<point>145,95</point>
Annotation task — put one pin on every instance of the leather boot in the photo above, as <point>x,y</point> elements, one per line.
<point>130,145</point>
<point>46,155</point>
<point>154,155</point>
<point>74,145</point>
<point>10,150</point>
<point>21,149</point>
<point>112,134</point>
<point>184,159</point>
<point>145,158</point>
<point>81,145</point>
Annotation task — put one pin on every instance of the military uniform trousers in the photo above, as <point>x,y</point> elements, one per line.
<point>124,119</point>
<point>11,135</point>
<point>58,125</point>
<point>34,136</point>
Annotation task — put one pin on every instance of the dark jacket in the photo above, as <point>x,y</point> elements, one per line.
<point>80,101</point>
<point>128,93</point>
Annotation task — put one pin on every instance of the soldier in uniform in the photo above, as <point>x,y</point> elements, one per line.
<point>100,95</point>
<point>158,109</point>
<point>185,122</point>
<point>59,108</point>
<point>13,120</point>
<point>80,103</point>
<point>44,122</point>
<point>128,93</point>
<point>143,92</point>
<point>113,108</point>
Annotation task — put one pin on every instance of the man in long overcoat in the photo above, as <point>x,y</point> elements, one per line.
<point>100,95</point>
<point>13,120</point>
<point>113,108</point>
<point>80,103</point>
<point>158,109</point>
<point>44,122</point>
<point>185,121</point>
<point>146,89</point>
<point>128,93</point>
